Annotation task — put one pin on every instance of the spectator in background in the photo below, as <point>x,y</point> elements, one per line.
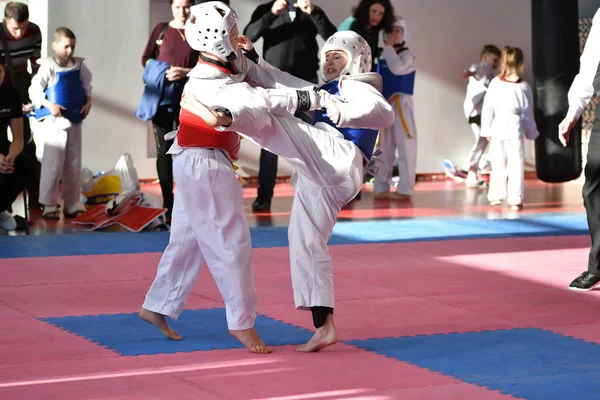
<point>20,43</point>
<point>167,43</point>
<point>289,31</point>
<point>13,166</point>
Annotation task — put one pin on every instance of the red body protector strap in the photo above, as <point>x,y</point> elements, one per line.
<point>193,132</point>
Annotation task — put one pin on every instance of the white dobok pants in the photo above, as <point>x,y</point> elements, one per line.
<point>208,224</point>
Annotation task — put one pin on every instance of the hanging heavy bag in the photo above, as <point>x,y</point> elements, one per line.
<point>555,44</point>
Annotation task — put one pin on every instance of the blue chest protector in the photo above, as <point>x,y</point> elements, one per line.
<point>365,139</point>
<point>68,92</point>
<point>393,84</point>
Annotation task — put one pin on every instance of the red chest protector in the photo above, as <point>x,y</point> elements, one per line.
<point>193,132</point>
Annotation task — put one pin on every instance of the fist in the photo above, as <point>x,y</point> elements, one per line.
<point>333,111</point>
<point>304,6</point>
<point>279,6</point>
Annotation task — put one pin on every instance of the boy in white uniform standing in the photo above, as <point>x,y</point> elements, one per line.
<point>397,68</point>
<point>61,93</point>
<point>328,158</point>
<point>479,75</point>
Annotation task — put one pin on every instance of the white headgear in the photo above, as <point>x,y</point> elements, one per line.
<point>208,28</point>
<point>356,48</point>
<point>400,22</point>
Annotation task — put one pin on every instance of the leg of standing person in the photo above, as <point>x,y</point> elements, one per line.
<point>53,161</point>
<point>207,188</point>
<point>406,138</point>
<point>498,176</point>
<point>314,212</point>
<point>34,176</point>
<point>387,145</point>
<point>591,200</point>
<point>71,186</point>
<point>163,123</point>
<point>267,177</point>
<point>515,166</point>
<point>474,157</point>
<point>11,187</point>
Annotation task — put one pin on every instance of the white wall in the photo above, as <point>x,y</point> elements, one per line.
<point>447,37</point>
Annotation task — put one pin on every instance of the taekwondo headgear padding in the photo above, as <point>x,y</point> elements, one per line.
<point>401,23</point>
<point>356,48</point>
<point>209,27</point>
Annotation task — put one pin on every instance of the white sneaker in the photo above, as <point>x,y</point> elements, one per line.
<point>7,222</point>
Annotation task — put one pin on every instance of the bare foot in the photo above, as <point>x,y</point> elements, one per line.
<point>250,339</point>
<point>159,321</point>
<point>324,336</point>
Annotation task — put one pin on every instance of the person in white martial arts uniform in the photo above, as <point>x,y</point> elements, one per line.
<point>479,75</point>
<point>397,69</point>
<point>507,119</point>
<point>61,94</point>
<point>328,158</point>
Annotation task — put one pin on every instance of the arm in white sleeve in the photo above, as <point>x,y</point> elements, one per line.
<point>528,112</point>
<point>248,104</point>
<point>364,107</point>
<point>487,112</point>
<point>265,75</point>
<point>86,80</point>
<point>399,64</point>
<point>582,88</point>
<point>39,83</point>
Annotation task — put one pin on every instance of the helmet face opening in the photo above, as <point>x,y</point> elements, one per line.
<point>209,28</point>
<point>356,48</point>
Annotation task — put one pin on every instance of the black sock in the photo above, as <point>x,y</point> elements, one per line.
<point>319,315</point>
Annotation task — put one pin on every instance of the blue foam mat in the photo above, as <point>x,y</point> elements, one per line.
<point>354,232</point>
<point>526,363</point>
<point>202,330</point>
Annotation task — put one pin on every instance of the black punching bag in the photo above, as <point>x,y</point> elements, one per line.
<point>555,43</point>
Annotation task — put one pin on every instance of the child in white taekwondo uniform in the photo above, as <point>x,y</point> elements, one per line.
<point>61,94</point>
<point>208,221</point>
<point>397,69</point>
<point>209,224</point>
<point>328,157</point>
<point>479,75</point>
<point>507,119</point>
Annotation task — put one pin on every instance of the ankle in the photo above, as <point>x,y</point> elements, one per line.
<point>321,315</point>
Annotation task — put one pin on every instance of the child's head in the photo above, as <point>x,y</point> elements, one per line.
<point>512,61</point>
<point>212,29</point>
<point>491,55</point>
<point>345,52</point>
<point>399,33</point>
<point>63,43</point>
